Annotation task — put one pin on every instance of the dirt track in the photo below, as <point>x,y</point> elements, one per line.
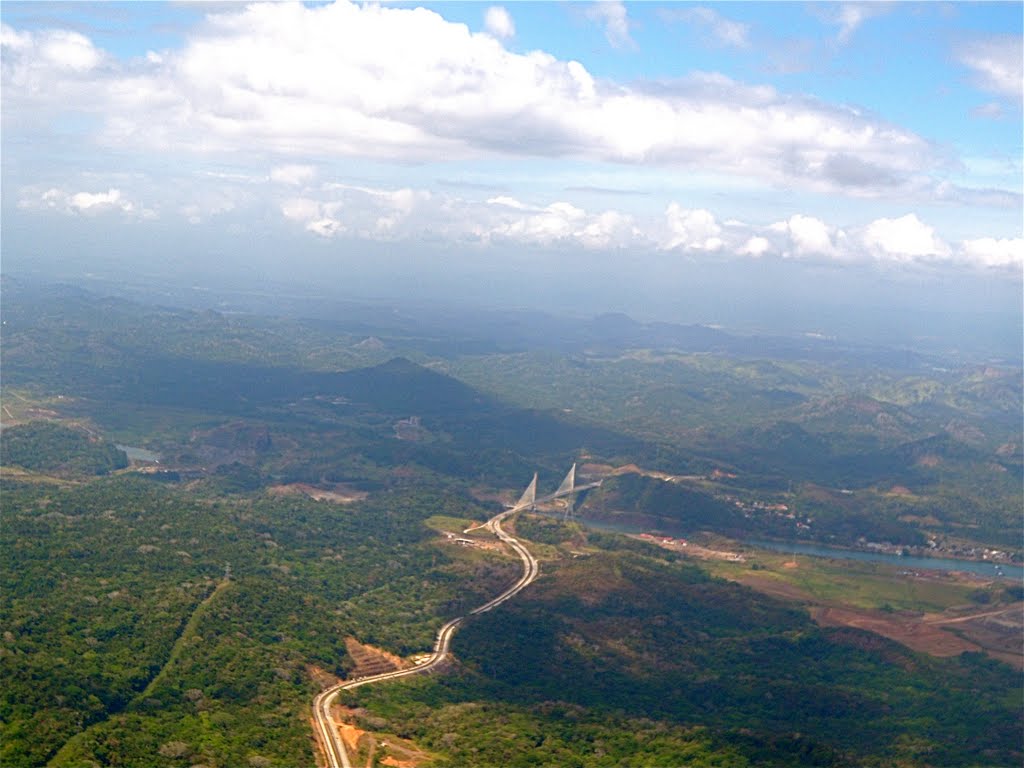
<point>998,632</point>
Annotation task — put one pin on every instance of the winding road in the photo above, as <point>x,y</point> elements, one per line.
<point>327,732</point>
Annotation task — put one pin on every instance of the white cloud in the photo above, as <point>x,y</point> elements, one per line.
<point>51,67</point>
<point>509,202</point>
<point>906,238</point>
<point>755,246</point>
<point>850,16</point>
<point>404,84</point>
<point>724,31</point>
<point>691,230</point>
<point>69,50</point>
<point>990,252</point>
<point>611,14</point>
<point>808,236</point>
<point>499,23</point>
<point>412,214</point>
<point>409,214</point>
<point>86,200</point>
<point>556,223</point>
<point>294,175</point>
<point>998,64</point>
<point>78,202</point>
<point>325,227</point>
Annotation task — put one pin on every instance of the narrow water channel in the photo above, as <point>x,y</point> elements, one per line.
<point>986,569</point>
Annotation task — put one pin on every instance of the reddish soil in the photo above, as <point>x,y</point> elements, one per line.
<point>999,632</point>
<point>370,660</point>
<point>910,631</point>
<point>775,588</point>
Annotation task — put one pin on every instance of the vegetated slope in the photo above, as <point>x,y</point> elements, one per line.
<point>620,636</point>
<point>650,501</point>
<point>105,354</point>
<point>43,446</point>
<point>102,580</point>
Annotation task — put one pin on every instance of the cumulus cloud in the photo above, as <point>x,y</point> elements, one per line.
<point>59,48</point>
<point>77,202</point>
<point>756,246</point>
<point>807,236</point>
<point>998,64</point>
<point>406,214</point>
<point>691,230</point>
<point>49,71</point>
<point>407,85</point>
<point>559,222</point>
<point>69,50</point>
<point>499,22</point>
<point>414,214</point>
<point>316,216</point>
<point>611,14</point>
<point>992,252</point>
<point>906,238</point>
<point>723,31</point>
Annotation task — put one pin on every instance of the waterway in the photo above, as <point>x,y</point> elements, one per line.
<point>909,563</point>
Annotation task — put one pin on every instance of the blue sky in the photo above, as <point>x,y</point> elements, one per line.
<point>872,135</point>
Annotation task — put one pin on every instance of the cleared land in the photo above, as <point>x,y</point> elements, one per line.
<point>930,612</point>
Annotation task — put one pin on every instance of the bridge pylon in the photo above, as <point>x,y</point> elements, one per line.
<point>568,484</point>
<point>529,496</point>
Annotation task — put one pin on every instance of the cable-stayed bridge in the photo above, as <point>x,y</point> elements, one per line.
<point>567,489</point>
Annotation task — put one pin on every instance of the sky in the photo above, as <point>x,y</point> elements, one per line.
<point>828,143</point>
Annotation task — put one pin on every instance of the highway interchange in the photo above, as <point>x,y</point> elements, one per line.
<point>327,733</point>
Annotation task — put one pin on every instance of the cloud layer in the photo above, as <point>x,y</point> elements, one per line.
<point>407,214</point>
<point>298,92</point>
<point>406,85</point>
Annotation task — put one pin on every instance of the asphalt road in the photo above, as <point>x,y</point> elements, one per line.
<point>327,733</point>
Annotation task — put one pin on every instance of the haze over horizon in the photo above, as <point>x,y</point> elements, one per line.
<point>762,164</point>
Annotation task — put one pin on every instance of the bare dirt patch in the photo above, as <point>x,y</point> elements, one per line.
<point>370,660</point>
<point>350,735</point>
<point>1000,632</point>
<point>689,548</point>
<point>338,494</point>
<point>997,631</point>
<point>910,631</point>
<point>774,587</point>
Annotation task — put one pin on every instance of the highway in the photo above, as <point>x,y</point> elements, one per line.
<point>327,733</point>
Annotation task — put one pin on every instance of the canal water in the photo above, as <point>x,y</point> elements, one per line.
<point>987,570</point>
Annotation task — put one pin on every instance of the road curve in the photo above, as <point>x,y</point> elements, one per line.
<point>327,733</point>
